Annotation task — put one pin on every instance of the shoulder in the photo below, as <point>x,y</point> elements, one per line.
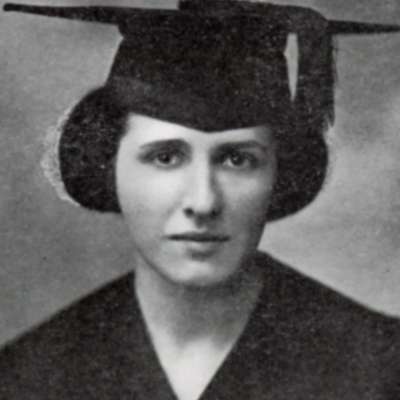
<point>302,293</point>
<point>308,301</point>
<point>331,333</point>
<point>51,354</point>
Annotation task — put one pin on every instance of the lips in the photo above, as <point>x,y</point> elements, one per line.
<point>199,237</point>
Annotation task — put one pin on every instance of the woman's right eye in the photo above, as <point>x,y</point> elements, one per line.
<point>167,158</point>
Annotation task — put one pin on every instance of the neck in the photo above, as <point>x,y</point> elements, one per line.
<point>186,314</point>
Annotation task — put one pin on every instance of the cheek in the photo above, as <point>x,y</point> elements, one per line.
<point>145,199</point>
<point>249,201</point>
<point>252,208</point>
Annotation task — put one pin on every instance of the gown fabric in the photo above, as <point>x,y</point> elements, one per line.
<point>303,341</point>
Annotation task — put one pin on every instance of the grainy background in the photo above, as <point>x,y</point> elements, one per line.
<point>52,252</point>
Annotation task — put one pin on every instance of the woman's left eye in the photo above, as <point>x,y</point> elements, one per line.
<point>239,160</point>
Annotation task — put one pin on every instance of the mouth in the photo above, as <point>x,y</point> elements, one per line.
<point>199,237</point>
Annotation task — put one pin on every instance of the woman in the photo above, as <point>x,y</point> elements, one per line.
<point>196,140</point>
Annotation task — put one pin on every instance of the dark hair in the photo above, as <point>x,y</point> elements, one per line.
<point>91,136</point>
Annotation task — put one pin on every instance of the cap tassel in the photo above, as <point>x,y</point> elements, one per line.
<point>316,79</point>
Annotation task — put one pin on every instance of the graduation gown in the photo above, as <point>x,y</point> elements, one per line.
<point>303,341</point>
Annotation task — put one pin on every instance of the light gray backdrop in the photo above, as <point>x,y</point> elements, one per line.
<point>53,252</point>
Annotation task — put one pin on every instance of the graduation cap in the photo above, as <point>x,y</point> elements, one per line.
<point>216,65</point>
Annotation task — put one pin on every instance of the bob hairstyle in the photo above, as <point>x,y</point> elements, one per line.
<point>90,140</point>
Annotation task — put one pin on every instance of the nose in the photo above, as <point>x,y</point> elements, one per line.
<point>203,197</point>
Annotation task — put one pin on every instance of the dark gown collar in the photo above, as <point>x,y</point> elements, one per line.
<point>141,370</point>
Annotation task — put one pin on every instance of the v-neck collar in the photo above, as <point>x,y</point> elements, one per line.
<point>253,364</point>
<point>152,381</point>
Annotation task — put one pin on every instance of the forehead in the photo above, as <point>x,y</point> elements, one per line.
<point>142,129</point>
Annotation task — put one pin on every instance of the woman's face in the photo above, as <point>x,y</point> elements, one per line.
<point>195,202</point>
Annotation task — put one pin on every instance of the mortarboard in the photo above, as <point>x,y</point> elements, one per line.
<point>216,65</point>
<point>219,64</point>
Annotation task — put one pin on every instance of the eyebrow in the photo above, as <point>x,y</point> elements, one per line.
<point>164,143</point>
<point>246,144</point>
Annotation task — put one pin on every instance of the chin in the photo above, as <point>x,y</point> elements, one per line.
<point>200,274</point>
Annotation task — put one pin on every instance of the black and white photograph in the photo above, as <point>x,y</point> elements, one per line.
<point>200,200</point>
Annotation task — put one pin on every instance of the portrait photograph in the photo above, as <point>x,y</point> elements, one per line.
<point>200,200</point>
